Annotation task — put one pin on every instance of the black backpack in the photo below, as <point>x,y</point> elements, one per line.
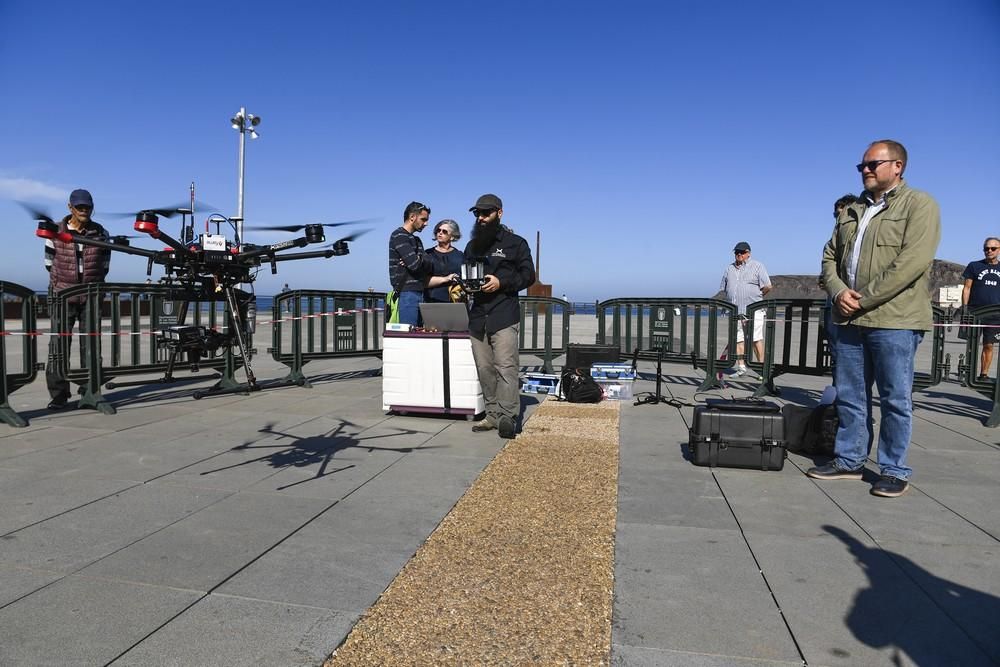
<point>812,430</point>
<point>576,386</point>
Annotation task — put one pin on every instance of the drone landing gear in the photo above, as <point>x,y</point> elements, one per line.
<point>228,384</point>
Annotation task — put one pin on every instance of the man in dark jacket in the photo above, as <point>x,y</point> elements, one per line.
<point>71,264</point>
<point>495,316</point>
<point>409,265</point>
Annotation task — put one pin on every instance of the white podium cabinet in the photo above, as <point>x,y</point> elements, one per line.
<point>431,372</point>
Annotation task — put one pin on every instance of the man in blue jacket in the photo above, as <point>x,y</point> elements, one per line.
<point>495,315</point>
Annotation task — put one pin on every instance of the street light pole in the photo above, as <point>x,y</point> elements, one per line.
<point>243,122</point>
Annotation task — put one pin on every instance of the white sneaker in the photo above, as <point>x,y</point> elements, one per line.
<point>740,371</point>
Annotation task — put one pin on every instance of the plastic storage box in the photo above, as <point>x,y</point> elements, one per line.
<point>616,389</point>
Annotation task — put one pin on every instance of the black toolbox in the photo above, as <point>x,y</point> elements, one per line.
<point>738,434</point>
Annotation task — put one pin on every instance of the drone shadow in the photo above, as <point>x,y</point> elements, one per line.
<point>310,450</point>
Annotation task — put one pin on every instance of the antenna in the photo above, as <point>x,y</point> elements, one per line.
<point>538,256</point>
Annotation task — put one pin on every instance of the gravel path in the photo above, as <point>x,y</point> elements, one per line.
<point>521,570</point>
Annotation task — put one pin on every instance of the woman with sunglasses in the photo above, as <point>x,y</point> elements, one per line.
<point>447,261</point>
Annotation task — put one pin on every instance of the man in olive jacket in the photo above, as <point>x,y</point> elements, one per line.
<point>876,267</point>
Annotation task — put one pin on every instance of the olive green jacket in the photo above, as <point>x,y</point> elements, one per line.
<point>895,261</point>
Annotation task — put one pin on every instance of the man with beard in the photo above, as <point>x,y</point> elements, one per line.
<point>495,315</point>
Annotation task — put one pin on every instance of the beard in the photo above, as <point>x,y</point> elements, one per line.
<point>483,237</point>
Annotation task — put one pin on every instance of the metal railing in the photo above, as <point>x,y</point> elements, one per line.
<point>553,341</point>
<point>325,324</point>
<point>117,311</point>
<point>683,330</point>
<point>14,376</point>
<point>971,371</point>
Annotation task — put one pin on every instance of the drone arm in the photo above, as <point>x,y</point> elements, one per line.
<point>73,237</point>
<point>178,247</point>
<point>304,255</point>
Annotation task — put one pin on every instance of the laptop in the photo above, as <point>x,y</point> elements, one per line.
<point>445,316</point>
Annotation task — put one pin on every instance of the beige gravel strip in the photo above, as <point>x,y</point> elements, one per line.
<point>521,570</point>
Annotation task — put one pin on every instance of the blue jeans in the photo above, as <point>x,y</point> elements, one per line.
<point>883,357</point>
<point>409,307</point>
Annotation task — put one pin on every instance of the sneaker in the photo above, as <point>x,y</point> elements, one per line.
<point>983,378</point>
<point>506,426</point>
<point>487,424</point>
<point>740,371</point>
<point>890,487</point>
<point>830,471</point>
<point>56,404</point>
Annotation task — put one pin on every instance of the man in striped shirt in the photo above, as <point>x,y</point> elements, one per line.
<point>409,265</point>
<point>744,282</point>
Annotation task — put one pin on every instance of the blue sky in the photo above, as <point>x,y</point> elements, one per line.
<point>642,139</point>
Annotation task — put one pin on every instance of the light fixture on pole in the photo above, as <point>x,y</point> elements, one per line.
<point>243,122</point>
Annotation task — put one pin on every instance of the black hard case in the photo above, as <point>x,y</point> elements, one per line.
<point>738,434</point>
<point>582,355</point>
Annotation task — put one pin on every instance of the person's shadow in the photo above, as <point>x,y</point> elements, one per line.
<point>891,613</point>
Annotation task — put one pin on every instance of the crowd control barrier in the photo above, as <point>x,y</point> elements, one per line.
<point>121,331</point>
<point>681,330</point>
<point>553,341</point>
<point>21,367</point>
<point>325,324</point>
<point>972,322</point>
<point>795,341</point>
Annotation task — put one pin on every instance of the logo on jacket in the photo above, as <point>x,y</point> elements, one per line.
<point>499,253</point>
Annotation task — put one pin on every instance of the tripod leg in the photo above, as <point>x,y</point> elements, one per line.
<point>238,325</point>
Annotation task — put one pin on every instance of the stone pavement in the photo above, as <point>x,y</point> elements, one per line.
<point>255,530</point>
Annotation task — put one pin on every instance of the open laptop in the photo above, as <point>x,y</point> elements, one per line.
<point>445,316</point>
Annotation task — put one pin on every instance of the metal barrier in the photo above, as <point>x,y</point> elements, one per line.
<point>116,311</point>
<point>682,330</point>
<point>357,322</point>
<point>970,371</point>
<point>795,342</point>
<point>531,308</point>
<point>13,376</point>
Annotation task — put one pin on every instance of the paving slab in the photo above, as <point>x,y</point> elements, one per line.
<point>344,559</point>
<point>31,501</point>
<point>224,630</point>
<point>624,655</point>
<point>695,590</point>
<point>16,582</point>
<point>849,603</point>
<point>72,540</point>
<point>205,548</point>
<point>85,621</point>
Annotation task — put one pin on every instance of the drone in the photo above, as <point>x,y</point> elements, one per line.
<point>207,264</point>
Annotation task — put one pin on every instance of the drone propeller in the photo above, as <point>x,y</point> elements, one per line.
<point>168,211</point>
<point>352,237</point>
<point>299,228</point>
<point>36,214</point>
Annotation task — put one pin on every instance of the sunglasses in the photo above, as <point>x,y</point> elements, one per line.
<point>990,248</point>
<point>483,212</point>
<point>871,165</point>
<point>441,229</point>
<point>83,208</point>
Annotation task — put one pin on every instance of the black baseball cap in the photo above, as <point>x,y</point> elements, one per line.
<point>487,202</point>
<point>81,198</point>
<point>742,246</point>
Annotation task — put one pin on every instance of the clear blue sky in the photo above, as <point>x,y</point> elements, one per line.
<point>642,139</point>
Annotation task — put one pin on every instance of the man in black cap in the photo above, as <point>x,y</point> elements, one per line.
<point>71,264</point>
<point>495,315</point>
<point>744,282</point>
